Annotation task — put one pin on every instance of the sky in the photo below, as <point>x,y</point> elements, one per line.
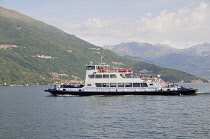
<point>179,24</point>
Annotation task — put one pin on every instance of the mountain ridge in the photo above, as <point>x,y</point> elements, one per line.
<point>34,53</point>
<point>134,49</point>
<point>13,15</point>
<point>194,60</point>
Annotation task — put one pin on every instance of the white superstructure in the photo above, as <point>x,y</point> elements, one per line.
<point>101,78</point>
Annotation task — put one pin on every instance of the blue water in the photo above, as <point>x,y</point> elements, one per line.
<point>31,113</point>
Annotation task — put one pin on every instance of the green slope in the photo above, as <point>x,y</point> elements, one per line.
<point>32,52</point>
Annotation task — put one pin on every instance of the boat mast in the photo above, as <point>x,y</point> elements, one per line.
<point>102,56</point>
<point>101,60</point>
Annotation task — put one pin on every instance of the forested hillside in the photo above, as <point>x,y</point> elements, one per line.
<point>34,53</point>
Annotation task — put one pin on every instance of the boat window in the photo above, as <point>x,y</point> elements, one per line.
<point>128,84</point>
<point>98,84</point>
<point>128,76</point>
<point>98,76</point>
<point>105,84</point>
<point>136,84</point>
<point>151,84</point>
<point>113,76</point>
<point>88,84</point>
<point>90,67</point>
<point>106,76</point>
<point>120,84</point>
<point>91,76</point>
<point>113,85</point>
<point>69,86</point>
<point>101,67</point>
<point>144,85</point>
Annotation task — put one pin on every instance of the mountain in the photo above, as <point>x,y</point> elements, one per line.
<point>35,53</point>
<point>194,60</point>
<point>143,50</point>
<point>198,50</point>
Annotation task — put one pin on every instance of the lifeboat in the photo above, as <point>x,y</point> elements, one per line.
<point>125,71</point>
<point>103,70</point>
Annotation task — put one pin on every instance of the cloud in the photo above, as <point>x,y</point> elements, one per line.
<point>97,31</point>
<point>187,26</point>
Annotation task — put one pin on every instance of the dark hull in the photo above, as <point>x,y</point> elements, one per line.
<point>90,93</point>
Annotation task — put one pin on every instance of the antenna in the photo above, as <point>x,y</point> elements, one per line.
<point>91,62</point>
<point>102,58</point>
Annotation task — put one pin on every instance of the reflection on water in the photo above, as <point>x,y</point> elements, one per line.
<point>29,112</point>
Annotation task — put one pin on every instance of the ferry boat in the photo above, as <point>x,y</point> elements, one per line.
<point>100,80</point>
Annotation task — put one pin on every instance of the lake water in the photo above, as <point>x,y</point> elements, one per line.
<point>31,113</point>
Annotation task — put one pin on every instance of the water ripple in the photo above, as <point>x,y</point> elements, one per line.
<point>26,112</point>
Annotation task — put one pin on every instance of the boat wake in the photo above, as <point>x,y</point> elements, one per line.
<point>65,95</point>
<point>203,93</point>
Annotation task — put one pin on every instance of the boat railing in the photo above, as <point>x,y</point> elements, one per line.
<point>71,86</point>
<point>161,82</point>
<point>115,71</point>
